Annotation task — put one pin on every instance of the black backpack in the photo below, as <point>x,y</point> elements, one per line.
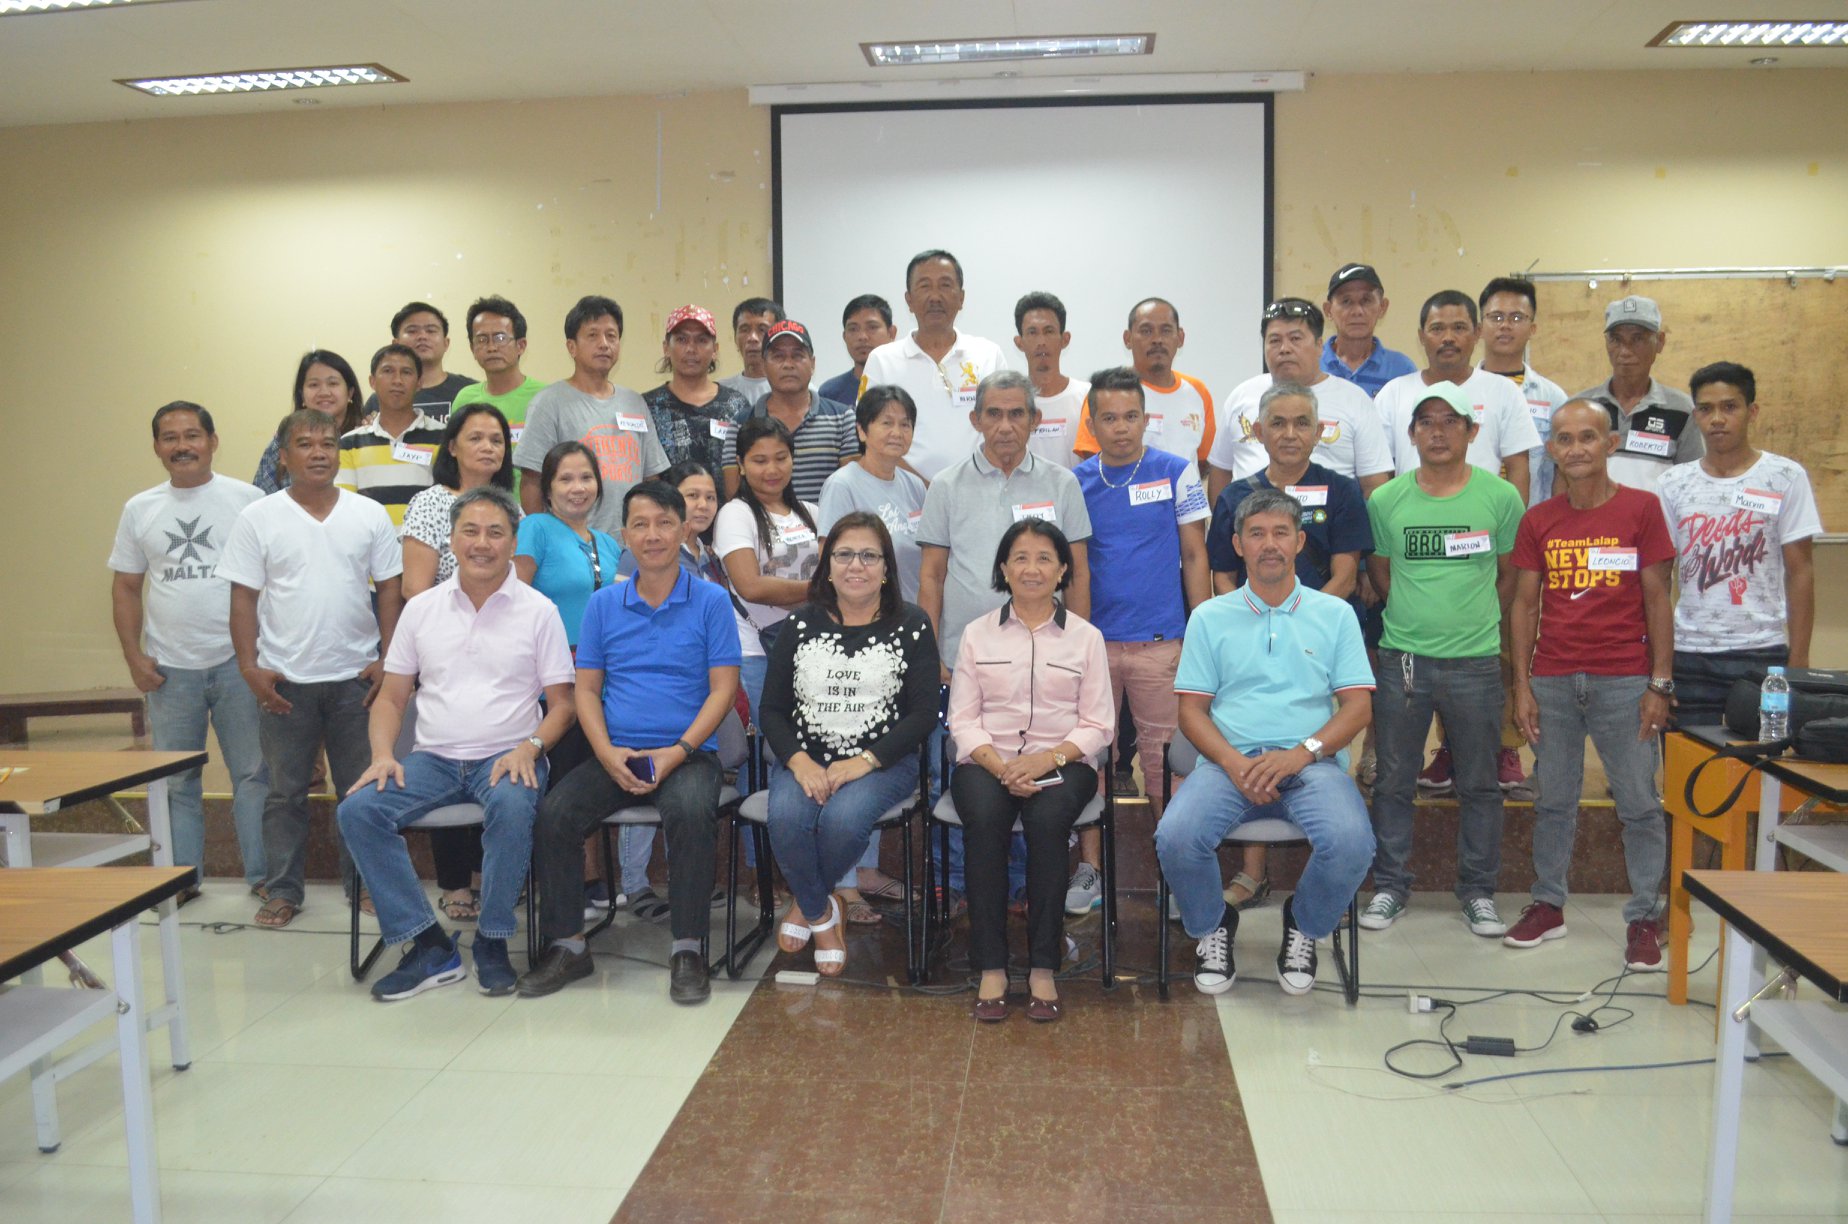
<point>1818,727</point>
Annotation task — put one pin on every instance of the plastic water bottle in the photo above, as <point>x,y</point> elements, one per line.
<point>1774,706</point>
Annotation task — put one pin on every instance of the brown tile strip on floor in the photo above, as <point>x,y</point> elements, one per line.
<point>852,1103</point>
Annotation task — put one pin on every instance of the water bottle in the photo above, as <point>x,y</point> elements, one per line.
<point>1774,706</point>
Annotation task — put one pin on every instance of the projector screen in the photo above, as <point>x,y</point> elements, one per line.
<point>1102,202</point>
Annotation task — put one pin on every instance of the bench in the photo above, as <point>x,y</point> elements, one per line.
<point>17,708</point>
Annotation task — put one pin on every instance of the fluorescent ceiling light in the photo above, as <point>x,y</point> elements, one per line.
<point>989,50</point>
<point>21,8</point>
<point>1791,34</point>
<point>268,80</point>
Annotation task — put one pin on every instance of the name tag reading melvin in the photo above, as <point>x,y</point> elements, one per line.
<point>1038,510</point>
<point>1150,491</point>
<point>1308,495</point>
<point>631,422</point>
<point>1467,543</point>
<point>1764,501</point>
<point>1619,559</point>
<point>1659,445</point>
<point>410,454</point>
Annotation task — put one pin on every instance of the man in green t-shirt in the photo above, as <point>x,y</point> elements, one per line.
<point>1443,534</point>
<point>497,338</point>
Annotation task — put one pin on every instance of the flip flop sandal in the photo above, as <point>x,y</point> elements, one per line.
<point>859,913</point>
<point>465,907</point>
<point>792,936</point>
<point>891,890</point>
<point>1256,892</point>
<point>649,906</point>
<point>830,962</point>
<point>277,912</point>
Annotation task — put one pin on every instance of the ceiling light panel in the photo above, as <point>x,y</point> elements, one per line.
<point>266,80</point>
<point>992,50</point>
<point>1790,34</point>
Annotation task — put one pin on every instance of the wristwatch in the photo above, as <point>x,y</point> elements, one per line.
<point>1662,686</point>
<point>1058,759</point>
<point>1314,746</point>
<point>866,754</point>
<point>684,747</point>
<point>537,743</point>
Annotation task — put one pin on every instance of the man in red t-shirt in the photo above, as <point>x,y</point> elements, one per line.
<point>1592,629</point>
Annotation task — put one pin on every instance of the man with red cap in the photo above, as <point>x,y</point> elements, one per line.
<point>824,432</point>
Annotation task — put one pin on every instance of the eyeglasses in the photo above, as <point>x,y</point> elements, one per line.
<point>490,339</point>
<point>868,557</point>
<point>1516,317</point>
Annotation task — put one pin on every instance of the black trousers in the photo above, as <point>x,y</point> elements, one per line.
<point>988,813</point>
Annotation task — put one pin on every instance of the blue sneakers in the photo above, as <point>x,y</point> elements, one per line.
<point>493,971</point>
<point>422,969</point>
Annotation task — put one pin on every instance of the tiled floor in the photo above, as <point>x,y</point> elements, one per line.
<point>307,1102</point>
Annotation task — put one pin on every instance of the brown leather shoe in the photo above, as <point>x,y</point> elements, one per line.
<point>990,1011</point>
<point>1045,1011</point>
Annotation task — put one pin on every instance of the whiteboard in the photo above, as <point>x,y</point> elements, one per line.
<point>1102,203</point>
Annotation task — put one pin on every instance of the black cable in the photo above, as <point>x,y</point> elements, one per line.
<point>1661,1066</point>
<point>1443,1040</point>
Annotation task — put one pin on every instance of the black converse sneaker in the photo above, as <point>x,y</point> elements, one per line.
<point>1296,958</point>
<point>1214,973</point>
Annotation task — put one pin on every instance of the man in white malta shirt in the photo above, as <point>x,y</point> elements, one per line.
<point>1508,326</point>
<point>1040,335</point>
<point>1655,424</point>
<point>1352,442</point>
<point>937,365</point>
<point>1744,521</point>
<point>1180,416</point>
<point>166,595</point>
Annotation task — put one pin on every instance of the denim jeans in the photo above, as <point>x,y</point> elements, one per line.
<point>177,714</point>
<point>815,842</point>
<point>988,811</point>
<point>1607,709</point>
<point>1468,695</point>
<point>1703,680</point>
<point>373,821</point>
<point>688,801</point>
<point>1321,800</point>
<point>333,714</point>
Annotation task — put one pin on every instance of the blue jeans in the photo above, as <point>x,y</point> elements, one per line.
<point>1607,708</point>
<point>1468,694</point>
<point>177,714</point>
<point>1703,680</point>
<point>1321,800</point>
<point>815,842</point>
<point>373,820</point>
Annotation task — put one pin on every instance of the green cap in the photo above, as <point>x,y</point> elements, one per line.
<point>1447,393</point>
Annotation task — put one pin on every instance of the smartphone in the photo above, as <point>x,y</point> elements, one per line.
<point>1052,779</point>
<point>641,766</point>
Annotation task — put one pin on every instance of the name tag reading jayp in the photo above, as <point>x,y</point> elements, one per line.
<point>1764,501</point>
<point>1052,428</point>
<point>1150,491</point>
<point>1039,510</point>
<point>1622,560</point>
<point>1467,543</point>
<point>1308,495</point>
<point>403,453</point>
<point>632,422</point>
<point>1659,445</point>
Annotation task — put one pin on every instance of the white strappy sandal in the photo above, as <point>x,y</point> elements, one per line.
<point>830,962</point>
<point>795,933</point>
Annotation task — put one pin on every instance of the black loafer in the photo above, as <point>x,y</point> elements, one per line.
<point>687,978</point>
<point>990,1011</point>
<point>556,969</point>
<point>1044,1011</point>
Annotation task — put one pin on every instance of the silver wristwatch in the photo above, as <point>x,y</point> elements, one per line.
<point>1314,746</point>
<point>537,743</point>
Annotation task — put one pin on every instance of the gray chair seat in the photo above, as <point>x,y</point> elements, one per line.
<point>756,810</point>
<point>945,813</point>
<point>649,814</point>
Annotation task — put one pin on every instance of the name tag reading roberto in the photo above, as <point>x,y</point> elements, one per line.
<point>1308,495</point>
<point>632,422</point>
<point>1039,510</point>
<point>1622,560</point>
<point>403,453</point>
<point>1150,491</point>
<point>1467,543</point>
<point>1659,445</point>
<point>1053,428</point>
<point>1764,501</point>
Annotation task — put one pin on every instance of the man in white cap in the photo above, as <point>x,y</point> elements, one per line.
<point>1654,424</point>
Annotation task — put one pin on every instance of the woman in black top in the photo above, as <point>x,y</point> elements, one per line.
<point>849,695</point>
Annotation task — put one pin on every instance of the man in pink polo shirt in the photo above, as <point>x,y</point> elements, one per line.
<point>481,647</point>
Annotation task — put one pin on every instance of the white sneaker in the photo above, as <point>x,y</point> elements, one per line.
<point>1484,918</point>
<point>1086,890</point>
<point>1214,973</point>
<point>1381,912</point>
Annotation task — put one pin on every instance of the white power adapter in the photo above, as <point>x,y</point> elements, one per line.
<point>1416,1003</point>
<point>797,977</point>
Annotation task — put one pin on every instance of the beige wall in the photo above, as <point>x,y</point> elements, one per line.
<point>198,258</point>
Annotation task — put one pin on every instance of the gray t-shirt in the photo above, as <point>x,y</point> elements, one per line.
<point>753,389</point>
<point>969,507</point>
<point>1652,437</point>
<point>619,431</point>
<point>898,502</point>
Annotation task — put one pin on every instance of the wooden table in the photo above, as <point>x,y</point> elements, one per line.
<point>37,783</point>
<point>1796,918</point>
<point>48,910</point>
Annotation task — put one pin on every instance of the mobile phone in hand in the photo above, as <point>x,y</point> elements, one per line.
<point>1051,779</point>
<point>642,767</point>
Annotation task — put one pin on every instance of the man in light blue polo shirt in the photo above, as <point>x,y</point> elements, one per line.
<point>657,671</point>
<point>1356,305</point>
<point>1260,670</point>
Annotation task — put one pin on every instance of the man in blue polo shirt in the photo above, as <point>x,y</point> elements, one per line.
<point>1148,568</point>
<point>1258,673</point>
<point>1356,304</point>
<point>657,671</point>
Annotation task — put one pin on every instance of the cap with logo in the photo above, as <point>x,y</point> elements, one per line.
<point>788,327</point>
<point>1641,311</point>
<point>692,314</point>
<point>1450,395</point>
<point>1347,274</point>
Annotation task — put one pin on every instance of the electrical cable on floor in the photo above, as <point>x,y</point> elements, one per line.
<point>1660,1066</point>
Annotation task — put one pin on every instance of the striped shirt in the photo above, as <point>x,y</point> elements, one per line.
<point>825,440</point>
<point>387,469</point>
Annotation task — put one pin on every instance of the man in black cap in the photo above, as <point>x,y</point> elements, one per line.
<point>1356,304</point>
<point>823,429</point>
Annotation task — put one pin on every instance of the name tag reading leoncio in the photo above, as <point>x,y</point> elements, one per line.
<point>1622,560</point>
<point>1467,543</point>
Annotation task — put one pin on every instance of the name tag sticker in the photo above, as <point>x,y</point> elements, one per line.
<point>404,453</point>
<point>516,431</point>
<point>1764,501</point>
<point>1154,425</point>
<point>631,422</point>
<point>1149,492</point>
<point>1467,543</point>
<point>913,518</point>
<point>1640,443</point>
<point>1308,495</point>
<point>794,536</point>
<point>1053,428</point>
<point>1038,510</point>
<point>720,429</point>
<point>964,399</point>
<point>1331,432</point>
<point>1619,559</point>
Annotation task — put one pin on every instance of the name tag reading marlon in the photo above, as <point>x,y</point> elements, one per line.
<point>1039,510</point>
<point>1050,428</point>
<point>1659,445</point>
<point>1150,491</point>
<point>1154,425</point>
<point>720,429</point>
<point>1308,495</point>
<point>631,422</point>
<point>1764,501</point>
<point>1467,543</point>
<point>1622,560</point>
<point>797,536</point>
<point>404,453</point>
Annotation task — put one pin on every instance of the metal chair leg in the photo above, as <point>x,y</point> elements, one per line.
<point>612,878</point>
<point>1107,835</point>
<point>739,954</point>
<point>360,967</point>
<point>1161,934</point>
<point>731,895</point>
<point>911,923</point>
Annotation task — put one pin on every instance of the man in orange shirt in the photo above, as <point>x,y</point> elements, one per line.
<point>1180,408</point>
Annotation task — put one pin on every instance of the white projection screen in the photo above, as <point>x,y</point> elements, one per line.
<point>1102,202</point>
